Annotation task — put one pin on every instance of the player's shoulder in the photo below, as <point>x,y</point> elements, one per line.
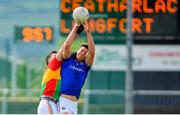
<point>72,56</point>
<point>54,64</point>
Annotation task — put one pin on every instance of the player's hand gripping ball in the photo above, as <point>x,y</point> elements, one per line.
<point>80,15</point>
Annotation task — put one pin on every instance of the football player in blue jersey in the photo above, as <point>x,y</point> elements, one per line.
<point>75,68</point>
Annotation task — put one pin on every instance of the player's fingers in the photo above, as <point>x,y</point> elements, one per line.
<point>83,24</point>
<point>85,27</point>
<point>88,20</point>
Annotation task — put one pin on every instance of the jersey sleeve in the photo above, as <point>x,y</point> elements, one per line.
<point>54,64</point>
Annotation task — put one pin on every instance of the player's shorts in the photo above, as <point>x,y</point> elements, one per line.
<point>47,106</point>
<point>67,106</point>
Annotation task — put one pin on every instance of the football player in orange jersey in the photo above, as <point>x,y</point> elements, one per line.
<point>50,85</point>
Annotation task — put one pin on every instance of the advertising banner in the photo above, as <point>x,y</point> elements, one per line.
<point>145,58</point>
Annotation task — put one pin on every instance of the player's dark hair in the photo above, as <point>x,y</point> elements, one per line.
<point>49,55</point>
<point>84,45</point>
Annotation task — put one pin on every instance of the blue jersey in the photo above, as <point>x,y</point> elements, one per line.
<point>73,75</point>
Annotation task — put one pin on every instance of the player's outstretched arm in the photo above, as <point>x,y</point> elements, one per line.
<point>59,54</point>
<point>91,46</point>
<point>65,51</point>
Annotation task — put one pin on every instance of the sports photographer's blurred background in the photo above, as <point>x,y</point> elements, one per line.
<point>30,29</point>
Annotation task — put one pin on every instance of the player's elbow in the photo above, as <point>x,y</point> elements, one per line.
<point>66,46</point>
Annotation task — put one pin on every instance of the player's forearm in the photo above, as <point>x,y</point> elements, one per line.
<point>71,37</point>
<point>59,54</point>
<point>91,45</point>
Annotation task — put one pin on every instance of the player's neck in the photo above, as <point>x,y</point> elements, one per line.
<point>79,59</point>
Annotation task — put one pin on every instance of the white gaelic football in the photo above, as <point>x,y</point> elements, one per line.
<point>80,14</point>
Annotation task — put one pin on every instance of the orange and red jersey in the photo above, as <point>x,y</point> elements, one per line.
<point>51,81</point>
